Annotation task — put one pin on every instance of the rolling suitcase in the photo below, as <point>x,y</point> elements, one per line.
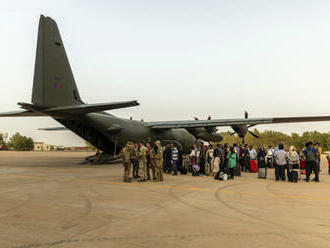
<point>183,170</point>
<point>262,173</point>
<point>253,166</point>
<point>294,176</point>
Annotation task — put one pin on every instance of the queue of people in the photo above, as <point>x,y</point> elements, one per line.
<point>146,162</point>
<point>226,161</point>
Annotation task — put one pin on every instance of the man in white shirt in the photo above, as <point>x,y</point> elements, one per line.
<point>253,153</point>
<point>280,163</point>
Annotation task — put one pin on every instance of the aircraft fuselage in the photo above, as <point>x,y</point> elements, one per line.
<point>110,133</point>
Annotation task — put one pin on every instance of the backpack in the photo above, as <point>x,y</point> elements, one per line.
<point>310,155</point>
<point>183,170</point>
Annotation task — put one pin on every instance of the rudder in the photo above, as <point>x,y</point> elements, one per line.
<point>53,83</point>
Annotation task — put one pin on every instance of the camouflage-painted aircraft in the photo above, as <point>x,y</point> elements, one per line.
<point>56,95</point>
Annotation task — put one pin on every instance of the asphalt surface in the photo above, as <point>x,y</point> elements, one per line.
<point>47,199</point>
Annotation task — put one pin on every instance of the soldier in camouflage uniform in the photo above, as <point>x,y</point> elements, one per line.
<point>159,162</point>
<point>143,153</point>
<point>126,155</point>
<point>151,161</point>
<point>135,160</point>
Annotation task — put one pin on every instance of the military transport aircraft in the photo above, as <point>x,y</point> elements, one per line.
<point>56,95</point>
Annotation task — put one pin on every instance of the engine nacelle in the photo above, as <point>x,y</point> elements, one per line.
<point>240,130</point>
<point>206,136</point>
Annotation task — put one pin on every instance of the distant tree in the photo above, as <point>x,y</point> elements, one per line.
<point>21,143</point>
<point>273,138</point>
<point>2,142</point>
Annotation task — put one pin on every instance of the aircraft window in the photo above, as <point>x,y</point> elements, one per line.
<point>57,43</point>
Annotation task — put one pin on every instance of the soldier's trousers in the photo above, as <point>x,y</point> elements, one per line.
<point>127,171</point>
<point>151,166</point>
<point>135,168</point>
<point>159,172</point>
<point>143,169</point>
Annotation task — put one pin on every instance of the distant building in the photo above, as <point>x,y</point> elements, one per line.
<point>41,146</point>
<point>78,148</point>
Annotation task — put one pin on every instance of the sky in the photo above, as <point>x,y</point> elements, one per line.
<point>179,59</point>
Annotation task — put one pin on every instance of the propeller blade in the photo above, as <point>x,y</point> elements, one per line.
<point>254,135</point>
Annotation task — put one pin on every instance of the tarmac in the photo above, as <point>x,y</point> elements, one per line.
<point>48,199</point>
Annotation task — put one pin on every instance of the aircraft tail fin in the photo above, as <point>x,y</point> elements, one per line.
<point>53,83</point>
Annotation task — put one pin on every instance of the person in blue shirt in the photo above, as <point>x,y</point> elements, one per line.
<point>310,155</point>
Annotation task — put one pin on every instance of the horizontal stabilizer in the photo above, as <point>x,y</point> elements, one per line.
<point>54,129</point>
<point>21,113</point>
<point>90,108</point>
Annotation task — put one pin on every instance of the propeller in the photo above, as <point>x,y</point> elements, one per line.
<point>253,134</point>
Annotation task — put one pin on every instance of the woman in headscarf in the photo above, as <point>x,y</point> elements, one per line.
<point>232,162</point>
<point>293,161</point>
<point>261,153</point>
<point>209,160</point>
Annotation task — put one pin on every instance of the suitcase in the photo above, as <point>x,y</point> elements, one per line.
<point>262,173</point>
<point>195,170</point>
<point>253,166</point>
<point>183,170</point>
<point>302,165</point>
<point>294,176</point>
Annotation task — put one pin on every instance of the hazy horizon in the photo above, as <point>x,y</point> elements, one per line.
<point>179,59</point>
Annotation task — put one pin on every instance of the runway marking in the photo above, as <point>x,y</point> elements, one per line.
<point>198,189</point>
<point>158,186</point>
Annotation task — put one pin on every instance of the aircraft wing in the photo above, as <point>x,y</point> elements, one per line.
<point>232,122</point>
<point>53,129</point>
<point>21,113</point>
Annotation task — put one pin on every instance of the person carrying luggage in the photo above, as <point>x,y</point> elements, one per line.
<point>238,167</point>
<point>232,162</point>
<point>293,164</point>
<point>319,153</point>
<point>280,160</point>
<point>245,159</point>
<point>224,160</point>
<point>217,159</point>
<point>262,168</point>
<point>175,159</point>
<point>193,157</point>
<point>209,160</point>
<point>253,159</point>
<point>270,157</point>
<point>261,157</point>
<point>310,155</point>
